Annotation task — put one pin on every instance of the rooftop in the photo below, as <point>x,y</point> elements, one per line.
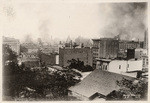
<point>99,81</point>
<point>103,39</point>
<point>105,60</point>
<point>8,39</point>
<point>30,46</point>
<point>129,41</point>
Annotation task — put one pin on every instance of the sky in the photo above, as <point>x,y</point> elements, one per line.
<point>50,20</point>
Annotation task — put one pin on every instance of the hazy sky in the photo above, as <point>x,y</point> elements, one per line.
<point>58,20</point>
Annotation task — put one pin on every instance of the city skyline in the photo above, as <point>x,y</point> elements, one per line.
<point>74,50</point>
<point>88,20</point>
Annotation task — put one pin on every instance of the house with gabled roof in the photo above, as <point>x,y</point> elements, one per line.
<point>97,85</point>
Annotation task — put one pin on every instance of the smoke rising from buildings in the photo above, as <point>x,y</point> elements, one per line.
<point>89,20</point>
<point>44,30</point>
<point>125,19</point>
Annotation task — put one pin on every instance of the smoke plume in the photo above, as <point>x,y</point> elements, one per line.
<point>129,20</point>
<point>44,30</point>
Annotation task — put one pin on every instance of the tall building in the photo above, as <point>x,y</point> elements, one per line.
<point>83,54</point>
<point>146,40</point>
<point>13,43</point>
<point>105,48</point>
<point>108,48</point>
<point>145,57</point>
<point>95,50</point>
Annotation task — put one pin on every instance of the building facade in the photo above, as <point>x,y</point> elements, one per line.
<point>83,54</point>
<point>48,59</point>
<point>140,52</point>
<point>146,40</point>
<point>95,50</point>
<point>108,48</point>
<point>105,48</point>
<point>29,60</point>
<point>127,45</point>
<point>122,66</point>
<point>31,47</point>
<point>13,43</point>
<point>145,63</point>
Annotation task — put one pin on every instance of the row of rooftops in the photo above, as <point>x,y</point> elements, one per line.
<point>115,39</point>
<point>8,39</point>
<point>109,60</point>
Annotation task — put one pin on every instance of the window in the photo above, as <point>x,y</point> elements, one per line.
<point>119,66</point>
<point>106,67</point>
<point>128,65</point>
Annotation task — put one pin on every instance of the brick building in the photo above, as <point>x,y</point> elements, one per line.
<point>48,59</point>
<point>83,54</point>
<point>105,48</point>
<point>108,48</point>
<point>111,48</point>
<point>124,45</point>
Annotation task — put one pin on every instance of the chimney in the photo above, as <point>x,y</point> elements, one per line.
<point>82,45</point>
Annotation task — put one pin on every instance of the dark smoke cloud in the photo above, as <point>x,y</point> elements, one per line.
<point>129,20</point>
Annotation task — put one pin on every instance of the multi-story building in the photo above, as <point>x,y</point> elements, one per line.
<point>146,40</point>
<point>119,66</point>
<point>140,52</point>
<point>31,47</point>
<point>95,50</point>
<point>29,60</point>
<point>108,48</point>
<point>145,63</point>
<point>125,45</point>
<point>105,48</point>
<point>48,59</point>
<point>13,43</point>
<point>145,57</point>
<point>83,54</point>
<point>126,67</point>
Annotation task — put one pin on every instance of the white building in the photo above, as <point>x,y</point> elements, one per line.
<point>139,52</point>
<point>145,62</point>
<point>119,66</point>
<point>143,55</point>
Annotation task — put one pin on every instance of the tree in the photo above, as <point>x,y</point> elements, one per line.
<point>129,90</point>
<point>23,49</point>
<point>15,78</point>
<point>79,65</point>
<point>10,68</point>
<point>26,83</point>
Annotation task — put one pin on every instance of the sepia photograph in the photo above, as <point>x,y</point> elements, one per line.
<point>74,50</point>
